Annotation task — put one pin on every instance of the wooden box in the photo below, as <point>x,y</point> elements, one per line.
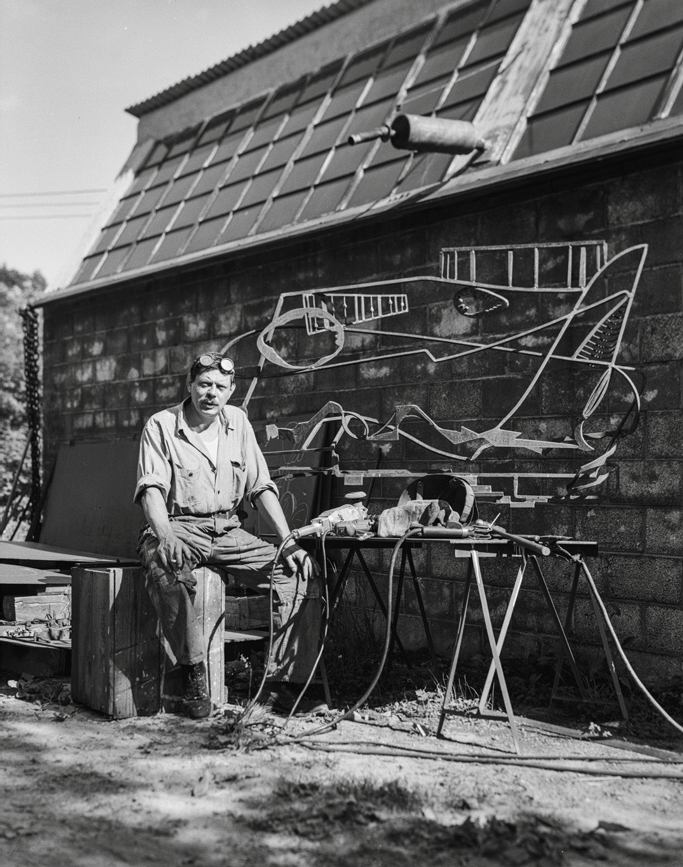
<point>121,666</point>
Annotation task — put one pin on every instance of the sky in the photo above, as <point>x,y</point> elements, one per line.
<point>68,71</point>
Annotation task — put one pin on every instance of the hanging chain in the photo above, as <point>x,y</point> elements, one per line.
<point>33,402</point>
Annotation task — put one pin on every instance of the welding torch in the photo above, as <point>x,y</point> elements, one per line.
<point>482,530</point>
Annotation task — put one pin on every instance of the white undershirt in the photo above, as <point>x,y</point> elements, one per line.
<point>209,438</point>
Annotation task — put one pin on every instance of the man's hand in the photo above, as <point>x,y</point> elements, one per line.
<point>300,561</point>
<point>174,554</point>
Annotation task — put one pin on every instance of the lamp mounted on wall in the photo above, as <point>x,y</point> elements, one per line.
<point>426,134</point>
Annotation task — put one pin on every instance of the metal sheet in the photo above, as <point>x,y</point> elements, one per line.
<point>12,575</point>
<point>90,504</point>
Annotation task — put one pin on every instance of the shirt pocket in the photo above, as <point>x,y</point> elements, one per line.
<point>188,483</point>
<point>238,480</point>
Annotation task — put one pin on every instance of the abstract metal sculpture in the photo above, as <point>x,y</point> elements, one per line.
<point>574,302</point>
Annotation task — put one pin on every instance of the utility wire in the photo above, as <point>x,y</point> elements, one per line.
<point>49,193</point>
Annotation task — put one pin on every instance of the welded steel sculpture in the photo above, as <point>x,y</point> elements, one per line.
<point>556,306</point>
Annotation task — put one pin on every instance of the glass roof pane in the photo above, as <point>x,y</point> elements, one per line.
<point>370,118</point>
<point>246,165</point>
<point>227,147</point>
<point>226,200</point>
<point>677,107</point>
<point>387,83</point>
<point>345,160</point>
<point>494,40</point>
<point>87,269</point>
<point>571,83</point>
<point>283,101</point>
<point>471,83</point>
<point>303,174</point>
<point>239,225</point>
<point>167,170</point>
<point>657,15</point>
<point>141,181</point>
<point>180,188</point>
<point>595,35</point>
<point>385,153</point>
<point>407,47</point>
<point>113,261</point>
<point>215,129</point>
<point>171,245</point>
<point>623,108</point>
<point>281,151</point>
<point>423,100</point>
<point>507,7</point>
<point>344,101</point>
<point>299,119</point>
<point>247,115</point>
<point>197,159</point>
<point>131,230</point>
<point>150,199</point>
<point>124,209</point>
<point>552,130</point>
<point>182,145</point>
<point>159,222</point>
<point>190,211</point>
<point>282,211</point>
<point>363,65</point>
<point>377,183</point>
<point>141,253</point>
<point>210,179</point>
<point>264,134</point>
<point>441,61</point>
<point>647,57</point>
<point>106,238</point>
<point>261,187</point>
<point>206,234</point>
<point>324,136</point>
<point>597,7</point>
<point>324,199</point>
<point>425,169</point>
<point>157,154</point>
<point>461,23</point>
<point>461,110</point>
<point>319,84</point>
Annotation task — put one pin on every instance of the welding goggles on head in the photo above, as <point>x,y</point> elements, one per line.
<point>225,365</point>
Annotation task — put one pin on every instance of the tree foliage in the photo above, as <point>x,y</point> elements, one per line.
<point>16,291</point>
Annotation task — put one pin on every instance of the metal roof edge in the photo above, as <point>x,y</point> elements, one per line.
<point>610,146</point>
<point>290,34</point>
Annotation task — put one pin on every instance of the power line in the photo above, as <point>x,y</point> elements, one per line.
<point>49,205</point>
<point>50,193</point>
<point>47,217</point>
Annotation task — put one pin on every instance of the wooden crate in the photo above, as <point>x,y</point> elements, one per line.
<point>120,665</point>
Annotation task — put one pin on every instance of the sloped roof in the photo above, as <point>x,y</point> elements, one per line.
<point>283,161</point>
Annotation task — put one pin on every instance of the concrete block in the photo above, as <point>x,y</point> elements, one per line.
<point>662,337</point>
<point>664,531</point>
<point>196,326</point>
<point>641,197</point>
<point>651,483</point>
<point>613,528</point>
<point>437,597</point>
<point>659,291</point>
<point>92,397</point>
<point>105,369</point>
<point>641,578</point>
<point>664,434</point>
<point>661,389</point>
<point>663,629</point>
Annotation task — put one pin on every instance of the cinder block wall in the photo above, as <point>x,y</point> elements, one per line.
<point>113,358</point>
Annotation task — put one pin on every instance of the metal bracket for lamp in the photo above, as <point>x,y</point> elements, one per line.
<point>426,134</point>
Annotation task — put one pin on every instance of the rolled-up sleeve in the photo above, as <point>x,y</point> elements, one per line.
<point>154,467</point>
<point>257,473</point>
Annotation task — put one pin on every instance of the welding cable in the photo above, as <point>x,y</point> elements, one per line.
<point>322,635</point>
<point>271,628</point>
<point>641,686</point>
<point>332,724</point>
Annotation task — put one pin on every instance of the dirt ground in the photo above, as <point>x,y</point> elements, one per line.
<point>378,791</point>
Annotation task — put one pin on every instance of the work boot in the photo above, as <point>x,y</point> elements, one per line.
<point>280,697</point>
<point>196,691</point>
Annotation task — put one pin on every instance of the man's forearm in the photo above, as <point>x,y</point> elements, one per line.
<point>269,506</point>
<point>154,507</point>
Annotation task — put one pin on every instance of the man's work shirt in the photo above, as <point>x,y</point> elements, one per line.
<point>174,459</point>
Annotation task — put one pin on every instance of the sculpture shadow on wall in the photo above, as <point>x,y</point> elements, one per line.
<point>555,316</point>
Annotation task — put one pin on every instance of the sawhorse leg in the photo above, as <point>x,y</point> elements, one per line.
<point>407,557</point>
<point>475,569</point>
